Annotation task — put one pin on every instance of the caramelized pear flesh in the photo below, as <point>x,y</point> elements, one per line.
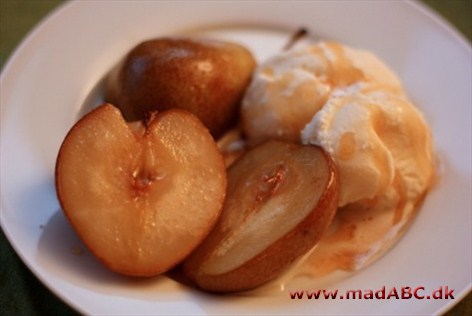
<point>205,77</point>
<point>281,198</point>
<point>141,197</point>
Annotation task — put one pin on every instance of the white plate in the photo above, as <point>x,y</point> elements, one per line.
<point>57,69</point>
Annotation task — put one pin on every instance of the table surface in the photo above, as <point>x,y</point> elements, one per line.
<point>20,292</point>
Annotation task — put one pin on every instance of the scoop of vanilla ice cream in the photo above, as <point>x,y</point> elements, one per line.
<point>289,88</point>
<point>382,147</point>
<point>378,140</point>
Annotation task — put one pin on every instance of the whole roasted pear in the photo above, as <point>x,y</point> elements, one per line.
<point>205,77</point>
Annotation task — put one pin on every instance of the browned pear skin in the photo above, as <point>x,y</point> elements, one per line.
<point>205,77</point>
<point>281,198</point>
<point>142,197</point>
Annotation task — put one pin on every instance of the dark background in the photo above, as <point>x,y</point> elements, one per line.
<point>20,292</point>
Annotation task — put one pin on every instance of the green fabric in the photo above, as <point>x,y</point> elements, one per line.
<point>20,292</point>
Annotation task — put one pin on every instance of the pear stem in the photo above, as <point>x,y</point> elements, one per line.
<point>300,33</point>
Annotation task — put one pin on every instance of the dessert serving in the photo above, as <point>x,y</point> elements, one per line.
<point>234,171</point>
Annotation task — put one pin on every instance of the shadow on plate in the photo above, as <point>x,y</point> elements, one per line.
<point>95,97</point>
<point>62,254</point>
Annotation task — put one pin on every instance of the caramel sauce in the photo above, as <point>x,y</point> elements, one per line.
<point>341,72</point>
<point>347,146</point>
<point>399,187</point>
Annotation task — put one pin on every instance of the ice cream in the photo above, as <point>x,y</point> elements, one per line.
<point>289,88</point>
<point>349,103</point>
<point>383,149</point>
<point>378,139</point>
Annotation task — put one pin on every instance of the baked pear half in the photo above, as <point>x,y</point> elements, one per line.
<point>281,198</point>
<point>141,196</point>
